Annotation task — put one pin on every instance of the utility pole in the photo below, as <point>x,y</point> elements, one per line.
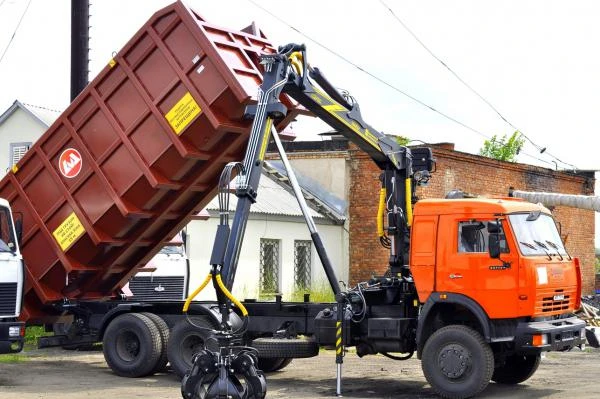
<point>80,45</point>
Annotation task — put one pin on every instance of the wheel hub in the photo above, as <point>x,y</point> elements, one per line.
<point>128,345</point>
<point>454,360</point>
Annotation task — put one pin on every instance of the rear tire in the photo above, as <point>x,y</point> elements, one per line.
<point>185,341</point>
<point>516,369</point>
<point>163,329</point>
<point>132,345</point>
<point>457,362</point>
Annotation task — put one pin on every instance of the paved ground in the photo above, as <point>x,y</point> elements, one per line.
<point>57,374</point>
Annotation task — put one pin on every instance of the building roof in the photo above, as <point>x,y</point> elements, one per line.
<point>45,116</point>
<point>316,196</point>
<point>272,199</point>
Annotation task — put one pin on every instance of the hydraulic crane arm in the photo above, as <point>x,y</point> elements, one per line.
<point>402,168</point>
<point>288,72</point>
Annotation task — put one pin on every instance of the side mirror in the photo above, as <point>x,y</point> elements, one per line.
<point>19,227</point>
<point>494,246</point>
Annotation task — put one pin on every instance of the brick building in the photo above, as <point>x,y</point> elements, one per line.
<point>343,165</point>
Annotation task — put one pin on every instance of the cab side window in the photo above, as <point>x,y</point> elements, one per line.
<point>473,236</point>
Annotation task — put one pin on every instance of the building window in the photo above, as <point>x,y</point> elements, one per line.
<point>302,263</point>
<point>269,266</point>
<point>17,151</point>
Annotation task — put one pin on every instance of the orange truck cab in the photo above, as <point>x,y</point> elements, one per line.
<point>498,264</point>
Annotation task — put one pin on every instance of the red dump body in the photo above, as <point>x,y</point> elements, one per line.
<point>128,162</point>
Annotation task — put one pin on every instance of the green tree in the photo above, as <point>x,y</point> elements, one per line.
<point>402,140</point>
<point>503,149</point>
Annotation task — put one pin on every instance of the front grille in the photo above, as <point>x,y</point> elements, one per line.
<point>8,299</point>
<point>157,288</point>
<point>554,301</point>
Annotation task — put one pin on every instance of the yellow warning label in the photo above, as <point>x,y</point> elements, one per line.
<point>183,113</point>
<point>68,232</point>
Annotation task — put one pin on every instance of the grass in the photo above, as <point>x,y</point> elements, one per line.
<point>319,292</point>
<point>32,333</point>
<point>12,358</point>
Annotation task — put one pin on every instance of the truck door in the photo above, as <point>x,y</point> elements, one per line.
<point>465,266</point>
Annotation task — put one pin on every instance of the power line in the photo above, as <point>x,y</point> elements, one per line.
<point>15,32</point>
<point>489,104</point>
<point>2,3</point>
<point>380,80</point>
<point>383,81</point>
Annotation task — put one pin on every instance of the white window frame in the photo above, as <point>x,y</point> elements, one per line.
<point>13,147</point>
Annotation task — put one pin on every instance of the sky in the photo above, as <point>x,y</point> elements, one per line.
<point>535,61</point>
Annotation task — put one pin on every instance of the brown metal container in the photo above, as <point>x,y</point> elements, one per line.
<point>136,153</point>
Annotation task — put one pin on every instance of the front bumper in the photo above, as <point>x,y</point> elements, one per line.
<point>9,342</point>
<point>562,334</point>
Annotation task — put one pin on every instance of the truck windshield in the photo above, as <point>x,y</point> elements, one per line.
<point>7,237</point>
<point>536,235</point>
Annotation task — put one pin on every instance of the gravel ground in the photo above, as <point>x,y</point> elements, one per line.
<point>58,374</point>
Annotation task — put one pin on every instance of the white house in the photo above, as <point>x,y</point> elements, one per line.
<point>20,125</point>
<point>277,253</point>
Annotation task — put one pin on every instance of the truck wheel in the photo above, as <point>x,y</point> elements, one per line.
<point>270,364</point>
<point>285,348</point>
<point>163,329</point>
<point>457,362</point>
<point>185,341</point>
<point>516,369</point>
<point>132,345</point>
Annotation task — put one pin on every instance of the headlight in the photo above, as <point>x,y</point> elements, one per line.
<point>540,340</point>
<point>14,331</point>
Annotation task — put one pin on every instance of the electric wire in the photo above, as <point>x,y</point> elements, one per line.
<point>2,3</point>
<point>15,31</point>
<point>489,104</point>
<point>382,81</point>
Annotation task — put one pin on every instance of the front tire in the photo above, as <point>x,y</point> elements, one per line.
<point>516,369</point>
<point>132,345</point>
<point>457,362</point>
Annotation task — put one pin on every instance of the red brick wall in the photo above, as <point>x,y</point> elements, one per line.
<point>474,174</point>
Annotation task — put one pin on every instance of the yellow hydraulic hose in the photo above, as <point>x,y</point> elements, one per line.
<point>189,299</point>
<point>409,212</point>
<point>380,212</point>
<point>296,60</point>
<point>228,294</point>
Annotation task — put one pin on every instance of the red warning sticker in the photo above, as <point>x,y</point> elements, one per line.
<point>70,163</point>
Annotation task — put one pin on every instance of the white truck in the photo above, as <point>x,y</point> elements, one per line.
<point>12,270</point>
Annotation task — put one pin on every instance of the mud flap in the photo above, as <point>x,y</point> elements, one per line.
<point>592,334</point>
